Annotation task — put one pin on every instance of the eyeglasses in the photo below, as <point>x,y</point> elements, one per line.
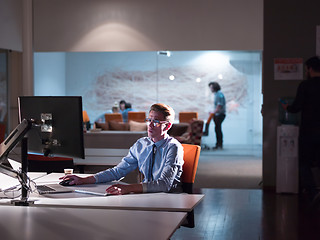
<point>156,123</point>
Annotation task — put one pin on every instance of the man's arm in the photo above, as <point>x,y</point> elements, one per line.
<point>76,180</point>
<point>127,164</point>
<point>218,108</point>
<point>296,106</point>
<point>120,189</point>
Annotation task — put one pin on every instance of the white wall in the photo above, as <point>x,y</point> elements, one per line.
<point>50,79</point>
<point>139,25</point>
<point>144,25</point>
<point>11,24</point>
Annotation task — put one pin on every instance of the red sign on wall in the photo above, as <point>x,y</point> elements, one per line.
<point>288,68</point>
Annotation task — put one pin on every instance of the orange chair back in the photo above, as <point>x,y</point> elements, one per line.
<point>186,117</point>
<point>136,116</point>
<point>85,116</point>
<point>117,117</point>
<point>191,158</point>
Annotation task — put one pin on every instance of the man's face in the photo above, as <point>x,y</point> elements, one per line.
<point>122,106</point>
<point>156,132</point>
<point>211,88</point>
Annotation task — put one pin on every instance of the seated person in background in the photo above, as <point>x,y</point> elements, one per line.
<point>115,109</point>
<point>122,106</point>
<point>128,108</point>
<point>101,118</point>
<point>159,158</point>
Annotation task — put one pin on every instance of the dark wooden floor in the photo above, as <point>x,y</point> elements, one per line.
<point>236,214</point>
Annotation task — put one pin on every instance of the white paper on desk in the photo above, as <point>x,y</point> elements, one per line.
<point>14,164</point>
<point>7,182</point>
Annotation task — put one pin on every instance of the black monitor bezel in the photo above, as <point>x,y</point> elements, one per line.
<point>69,120</point>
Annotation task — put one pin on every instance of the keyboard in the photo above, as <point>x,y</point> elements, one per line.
<point>53,188</point>
<point>44,189</point>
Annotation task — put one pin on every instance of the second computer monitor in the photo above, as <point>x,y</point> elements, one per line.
<point>58,127</point>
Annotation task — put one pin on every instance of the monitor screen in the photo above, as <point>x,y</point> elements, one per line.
<point>59,127</point>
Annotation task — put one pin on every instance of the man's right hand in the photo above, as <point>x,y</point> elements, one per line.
<point>76,180</point>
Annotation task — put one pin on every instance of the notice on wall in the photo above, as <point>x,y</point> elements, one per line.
<point>318,41</point>
<point>288,68</point>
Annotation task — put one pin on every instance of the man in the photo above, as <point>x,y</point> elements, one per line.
<point>159,158</point>
<point>218,114</point>
<point>307,102</point>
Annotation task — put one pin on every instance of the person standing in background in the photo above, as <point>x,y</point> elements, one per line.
<point>218,114</point>
<point>307,102</point>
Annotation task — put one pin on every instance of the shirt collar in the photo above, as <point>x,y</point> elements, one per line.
<point>161,142</point>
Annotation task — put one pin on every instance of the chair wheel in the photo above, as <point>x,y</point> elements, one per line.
<point>205,147</point>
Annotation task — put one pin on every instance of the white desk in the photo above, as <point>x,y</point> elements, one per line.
<point>32,223</point>
<point>147,201</point>
<point>7,181</point>
<point>82,216</point>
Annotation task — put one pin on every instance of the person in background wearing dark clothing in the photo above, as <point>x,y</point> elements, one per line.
<point>128,108</point>
<point>307,102</point>
<point>122,106</point>
<point>218,114</point>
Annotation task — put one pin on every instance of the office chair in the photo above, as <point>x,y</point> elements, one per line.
<point>117,117</point>
<point>40,163</point>
<point>85,116</point>
<point>86,119</point>
<point>191,158</point>
<point>186,117</point>
<point>136,116</point>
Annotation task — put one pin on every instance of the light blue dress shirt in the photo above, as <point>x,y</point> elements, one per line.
<point>167,167</point>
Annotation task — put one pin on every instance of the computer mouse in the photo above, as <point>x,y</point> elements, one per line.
<point>65,182</point>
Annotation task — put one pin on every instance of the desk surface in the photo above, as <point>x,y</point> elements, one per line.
<point>148,201</point>
<point>7,181</point>
<point>69,223</point>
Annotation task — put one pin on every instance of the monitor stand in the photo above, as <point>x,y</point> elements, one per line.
<point>16,136</point>
<point>24,171</point>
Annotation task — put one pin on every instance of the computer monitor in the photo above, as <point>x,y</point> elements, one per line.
<point>59,126</point>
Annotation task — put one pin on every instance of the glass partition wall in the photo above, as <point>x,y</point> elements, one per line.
<point>3,93</point>
<point>177,78</point>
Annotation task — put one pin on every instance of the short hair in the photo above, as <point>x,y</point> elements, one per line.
<point>314,63</point>
<point>215,86</point>
<point>128,105</point>
<point>115,109</point>
<point>166,110</point>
